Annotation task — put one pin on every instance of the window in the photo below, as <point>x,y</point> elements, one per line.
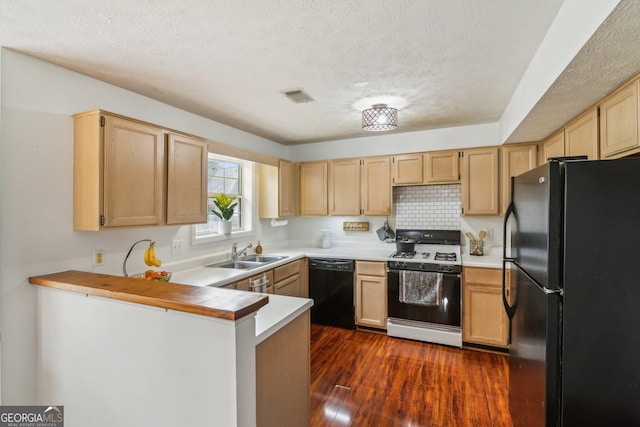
<point>232,177</point>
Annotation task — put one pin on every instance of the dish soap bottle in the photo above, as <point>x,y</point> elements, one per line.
<point>259,248</point>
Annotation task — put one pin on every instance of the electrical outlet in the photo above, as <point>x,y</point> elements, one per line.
<point>176,246</point>
<point>98,257</point>
<point>490,232</point>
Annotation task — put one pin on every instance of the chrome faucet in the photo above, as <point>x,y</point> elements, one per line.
<point>234,251</point>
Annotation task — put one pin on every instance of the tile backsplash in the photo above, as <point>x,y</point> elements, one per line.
<point>427,207</point>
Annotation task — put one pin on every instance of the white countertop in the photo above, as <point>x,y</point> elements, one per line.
<point>277,313</point>
<point>282,309</point>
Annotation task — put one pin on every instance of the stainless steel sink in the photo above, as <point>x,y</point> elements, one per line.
<point>263,259</point>
<point>238,265</point>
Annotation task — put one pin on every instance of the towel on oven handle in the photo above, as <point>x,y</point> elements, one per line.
<point>420,288</point>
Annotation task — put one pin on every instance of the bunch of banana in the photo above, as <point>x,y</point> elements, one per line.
<point>150,256</point>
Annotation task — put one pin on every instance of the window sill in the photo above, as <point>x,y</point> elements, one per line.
<point>221,237</point>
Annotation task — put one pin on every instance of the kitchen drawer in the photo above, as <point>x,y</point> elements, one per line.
<point>289,286</point>
<point>489,276</point>
<point>371,268</point>
<point>286,270</point>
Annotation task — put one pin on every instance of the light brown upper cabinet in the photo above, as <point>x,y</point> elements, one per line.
<point>407,169</point>
<point>376,186</point>
<point>577,138</point>
<point>344,187</point>
<point>286,187</point>
<point>442,167</point>
<point>552,146</point>
<point>276,189</point>
<point>119,171</point>
<point>619,122</point>
<point>581,136</point>
<point>186,180</point>
<point>360,187</point>
<point>480,181</point>
<point>516,159</point>
<point>313,188</point>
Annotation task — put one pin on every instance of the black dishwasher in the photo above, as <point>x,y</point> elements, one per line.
<point>331,285</point>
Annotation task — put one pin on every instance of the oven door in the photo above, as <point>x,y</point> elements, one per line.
<point>447,313</point>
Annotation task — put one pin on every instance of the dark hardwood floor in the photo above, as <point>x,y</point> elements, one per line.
<point>364,379</point>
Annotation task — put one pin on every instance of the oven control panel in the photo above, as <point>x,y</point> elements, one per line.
<point>424,266</point>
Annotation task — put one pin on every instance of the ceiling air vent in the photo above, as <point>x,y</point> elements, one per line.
<point>298,96</point>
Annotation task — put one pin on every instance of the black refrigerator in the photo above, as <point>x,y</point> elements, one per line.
<point>572,251</point>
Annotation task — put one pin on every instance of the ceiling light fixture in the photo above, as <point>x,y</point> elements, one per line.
<point>379,118</point>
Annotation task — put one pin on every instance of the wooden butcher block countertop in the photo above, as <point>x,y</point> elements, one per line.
<point>226,304</point>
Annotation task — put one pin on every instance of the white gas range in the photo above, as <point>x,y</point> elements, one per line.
<point>424,292</point>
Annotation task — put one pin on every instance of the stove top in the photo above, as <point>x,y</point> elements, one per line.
<point>435,250</point>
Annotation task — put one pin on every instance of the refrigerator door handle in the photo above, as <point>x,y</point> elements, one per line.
<point>510,310</point>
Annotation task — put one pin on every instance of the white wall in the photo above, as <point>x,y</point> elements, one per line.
<point>36,228</point>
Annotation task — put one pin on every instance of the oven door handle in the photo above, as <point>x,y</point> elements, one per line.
<point>444,273</point>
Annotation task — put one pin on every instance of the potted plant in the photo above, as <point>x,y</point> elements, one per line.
<point>225,206</point>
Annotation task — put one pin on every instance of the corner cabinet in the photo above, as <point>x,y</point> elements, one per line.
<point>371,294</point>
<point>480,181</point>
<point>484,320</point>
<point>119,171</point>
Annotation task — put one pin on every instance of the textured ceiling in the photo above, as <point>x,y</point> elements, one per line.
<point>609,58</point>
<point>443,63</point>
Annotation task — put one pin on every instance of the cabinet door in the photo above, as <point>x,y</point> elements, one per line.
<point>619,121</point>
<point>407,169</point>
<point>242,285</point>
<point>371,301</point>
<point>376,186</point>
<point>516,159</point>
<point>344,187</point>
<point>581,136</point>
<point>285,188</point>
<point>313,188</point>
<point>133,173</point>
<point>552,147</point>
<point>289,286</point>
<point>484,319</point>
<point>480,182</point>
<point>441,167</point>
<point>186,180</point>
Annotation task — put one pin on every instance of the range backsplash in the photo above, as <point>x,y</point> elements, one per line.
<point>427,207</point>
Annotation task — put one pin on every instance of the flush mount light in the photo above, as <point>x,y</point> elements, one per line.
<point>379,118</point>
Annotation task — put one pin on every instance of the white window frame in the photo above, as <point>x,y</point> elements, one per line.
<point>249,206</point>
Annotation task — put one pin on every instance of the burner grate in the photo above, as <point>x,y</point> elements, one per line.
<point>406,255</point>
<point>445,256</point>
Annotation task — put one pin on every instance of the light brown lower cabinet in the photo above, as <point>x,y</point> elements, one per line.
<point>291,279</point>
<point>286,279</point>
<point>484,320</point>
<point>371,294</point>
<point>283,377</point>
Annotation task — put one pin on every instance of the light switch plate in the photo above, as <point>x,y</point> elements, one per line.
<point>176,246</point>
<point>98,257</point>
